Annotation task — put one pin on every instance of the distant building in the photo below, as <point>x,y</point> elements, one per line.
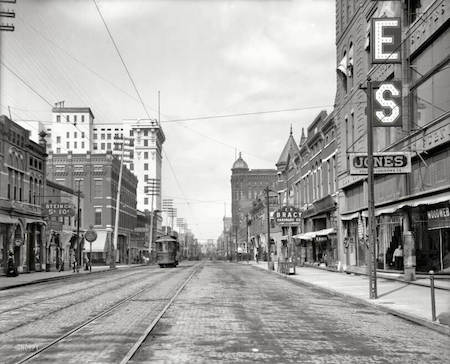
<point>246,185</point>
<point>22,189</point>
<point>74,129</point>
<point>97,177</point>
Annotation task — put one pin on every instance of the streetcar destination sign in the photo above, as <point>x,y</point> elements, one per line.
<point>383,163</point>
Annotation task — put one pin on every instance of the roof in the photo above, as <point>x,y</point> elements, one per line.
<point>240,163</point>
<point>290,147</point>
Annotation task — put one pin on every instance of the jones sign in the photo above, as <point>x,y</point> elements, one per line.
<point>383,163</point>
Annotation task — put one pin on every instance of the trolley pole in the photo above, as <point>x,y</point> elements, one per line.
<point>78,226</point>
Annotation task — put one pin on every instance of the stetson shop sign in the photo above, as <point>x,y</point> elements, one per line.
<point>287,215</point>
<point>439,218</point>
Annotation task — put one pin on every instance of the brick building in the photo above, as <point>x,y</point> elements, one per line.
<point>410,208</point>
<point>22,186</point>
<point>97,177</point>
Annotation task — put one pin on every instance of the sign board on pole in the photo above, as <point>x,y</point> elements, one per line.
<point>90,236</point>
<point>387,103</point>
<point>58,209</point>
<point>385,40</point>
<point>287,215</point>
<point>384,163</point>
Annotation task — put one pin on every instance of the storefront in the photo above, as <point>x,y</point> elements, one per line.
<point>431,227</point>
<point>317,247</point>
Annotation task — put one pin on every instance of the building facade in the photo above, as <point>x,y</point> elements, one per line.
<point>74,129</point>
<point>246,185</point>
<point>411,209</point>
<point>22,189</point>
<point>97,177</point>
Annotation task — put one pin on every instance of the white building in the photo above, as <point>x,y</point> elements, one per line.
<point>74,129</point>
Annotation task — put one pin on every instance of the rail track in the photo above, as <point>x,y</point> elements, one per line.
<point>141,339</point>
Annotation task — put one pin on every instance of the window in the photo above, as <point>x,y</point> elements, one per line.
<point>98,216</point>
<point>75,145</point>
<point>145,132</point>
<point>131,167</point>
<point>67,145</point>
<point>145,166</point>
<point>108,146</point>
<point>58,150</point>
<point>131,133</point>
<point>102,136</point>
<point>102,145</point>
<point>95,146</point>
<point>108,136</point>
<point>74,118</point>
<point>145,142</point>
<point>431,94</point>
<point>98,188</point>
<point>82,118</point>
<point>58,139</point>
<point>145,155</point>
<point>67,118</point>
<point>75,134</point>
<point>67,135</point>
<point>82,134</point>
<point>58,118</point>
<point>82,145</point>
<point>95,136</point>
<point>145,177</point>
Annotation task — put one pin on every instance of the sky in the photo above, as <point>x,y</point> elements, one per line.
<point>206,57</point>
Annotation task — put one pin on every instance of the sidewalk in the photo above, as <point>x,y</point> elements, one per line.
<point>25,279</point>
<point>409,301</point>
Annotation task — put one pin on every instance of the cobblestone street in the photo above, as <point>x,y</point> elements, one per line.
<point>226,313</point>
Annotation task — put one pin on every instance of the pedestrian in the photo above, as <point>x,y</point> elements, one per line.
<point>11,270</point>
<point>397,258</point>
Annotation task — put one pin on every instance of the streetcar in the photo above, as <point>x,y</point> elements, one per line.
<point>167,251</point>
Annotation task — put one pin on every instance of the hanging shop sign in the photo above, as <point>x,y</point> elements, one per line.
<point>58,209</point>
<point>387,103</point>
<point>439,218</point>
<point>386,40</point>
<point>287,215</point>
<point>383,163</point>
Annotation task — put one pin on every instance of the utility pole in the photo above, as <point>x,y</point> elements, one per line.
<point>267,190</point>
<point>372,261</point>
<point>78,226</point>
<point>153,188</point>
<point>7,14</point>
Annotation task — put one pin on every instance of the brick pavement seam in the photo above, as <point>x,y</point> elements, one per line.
<point>417,320</point>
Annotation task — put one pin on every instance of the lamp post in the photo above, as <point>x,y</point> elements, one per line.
<point>267,190</point>
<point>152,189</point>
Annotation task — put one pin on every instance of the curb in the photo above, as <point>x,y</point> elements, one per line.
<point>67,276</point>
<point>412,318</point>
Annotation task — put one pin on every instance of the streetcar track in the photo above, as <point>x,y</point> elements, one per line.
<point>150,328</point>
<point>68,293</point>
<point>49,313</point>
<point>106,312</point>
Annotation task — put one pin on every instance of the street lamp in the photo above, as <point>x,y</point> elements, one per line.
<point>267,190</point>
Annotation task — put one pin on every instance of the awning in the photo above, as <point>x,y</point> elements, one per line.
<point>312,234</point>
<point>101,244</point>
<point>32,221</point>
<point>5,219</point>
<point>305,236</point>
<point>430,200</point>
<point>326,232</point>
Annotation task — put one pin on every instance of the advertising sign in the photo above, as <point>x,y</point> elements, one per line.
<point>385,40</point>
<point>439,218</point>
<point>387,103</point>
<point>383,163</point>
<point>287,215</point>
<point>58,209</point>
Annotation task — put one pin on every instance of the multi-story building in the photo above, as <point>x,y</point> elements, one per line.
<point>22,187</point>
<point>74,129</point>
<point>246,185</point>
<point>411,209</point>
<point>97,177</point>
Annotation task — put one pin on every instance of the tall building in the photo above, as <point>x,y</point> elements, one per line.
<point>74,129</point>
<point>246,185</point>
<point>411,209</point>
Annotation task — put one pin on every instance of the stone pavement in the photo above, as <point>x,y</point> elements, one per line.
<point>410,301</point>
<point>38,277</point>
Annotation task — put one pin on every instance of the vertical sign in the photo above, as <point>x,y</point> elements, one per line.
<point>387,103</point>
<point>386,40</point>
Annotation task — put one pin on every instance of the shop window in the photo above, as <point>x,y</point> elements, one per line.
<point>98,216</point>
